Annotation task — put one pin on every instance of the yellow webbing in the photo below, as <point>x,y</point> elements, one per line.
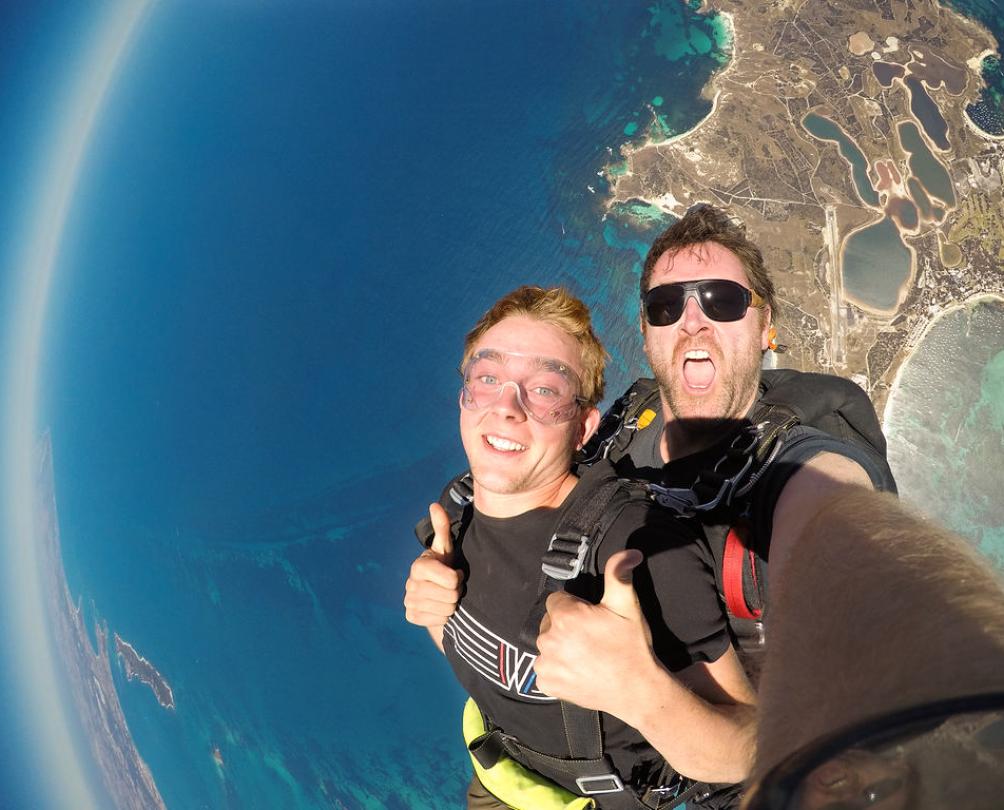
<point>510,782</point>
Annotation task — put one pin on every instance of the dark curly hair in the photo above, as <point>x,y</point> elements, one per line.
<point>705,223</point>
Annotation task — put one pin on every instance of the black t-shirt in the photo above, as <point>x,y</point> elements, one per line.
<point>675,585</point>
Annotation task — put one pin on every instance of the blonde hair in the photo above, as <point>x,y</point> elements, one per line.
<point>559,308</point>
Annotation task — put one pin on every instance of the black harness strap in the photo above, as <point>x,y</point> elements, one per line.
<point>579,528</point>
<point>457,499</point>
<point>586,516</point>
<point>573,543</point>
<point>593,777</point>
<point>582,731</point>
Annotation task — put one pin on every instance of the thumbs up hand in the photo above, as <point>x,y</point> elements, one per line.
<point>433,587</point>
<point>442,540</point>
<point>619,595</point>
<point>590,654</point>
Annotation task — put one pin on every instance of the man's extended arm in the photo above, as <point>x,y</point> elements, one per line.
<point>904,611</point>
<point>804,494</point>
<point>601,657</point>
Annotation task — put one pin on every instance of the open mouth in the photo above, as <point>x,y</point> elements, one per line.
<point>503,445</point>
<point>698,370</point>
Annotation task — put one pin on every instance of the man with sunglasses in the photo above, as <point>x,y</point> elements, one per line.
<point>879,625</point>
<point>532,375</point>
<point>707,305</point>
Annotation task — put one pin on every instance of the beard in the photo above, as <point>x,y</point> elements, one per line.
<point>735,385</point>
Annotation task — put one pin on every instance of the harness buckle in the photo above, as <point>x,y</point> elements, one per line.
<point>678,499</point>
<point>748,438</point>
<point>608,783</point>
<point>727,488</point>
<point>571,569</point>
<point>671,789</point>
<point>461,491</point>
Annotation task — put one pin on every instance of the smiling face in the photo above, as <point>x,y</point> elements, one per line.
<point>707,370</point>
<point>517,462</point>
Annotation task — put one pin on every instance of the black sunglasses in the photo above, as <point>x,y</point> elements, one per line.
<point>720,300</point>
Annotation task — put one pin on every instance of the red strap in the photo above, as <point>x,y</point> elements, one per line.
<point>732,577</point>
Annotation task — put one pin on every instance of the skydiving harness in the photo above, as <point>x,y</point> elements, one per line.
<point>743,462</point>
<point>726,481</point>
<point>833,405</point>
<point>592,507</point>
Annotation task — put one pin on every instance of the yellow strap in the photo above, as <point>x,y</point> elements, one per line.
<point>646,418</point>
<point>510,782</point>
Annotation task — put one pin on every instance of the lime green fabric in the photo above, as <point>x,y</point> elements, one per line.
<point>510,782</point>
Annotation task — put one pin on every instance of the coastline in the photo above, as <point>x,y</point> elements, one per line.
<point>972,127</point>
<point>749,152</point>
<point>928,324</point>
<point>976,65</point>
<point>139,668</point>
<point>628,149</point>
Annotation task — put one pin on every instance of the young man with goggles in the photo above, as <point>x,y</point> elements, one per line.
<point>680,704</point>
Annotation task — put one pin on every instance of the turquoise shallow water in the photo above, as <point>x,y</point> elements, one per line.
<point>945,423</point>
<point>988,110</point>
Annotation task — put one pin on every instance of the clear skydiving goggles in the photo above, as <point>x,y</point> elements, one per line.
<point>547,389</point>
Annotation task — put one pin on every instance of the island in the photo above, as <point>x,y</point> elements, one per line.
<point>840,133</point>
<point>136,666</point>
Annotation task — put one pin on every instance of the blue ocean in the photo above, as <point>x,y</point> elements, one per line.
<point>286,219</point>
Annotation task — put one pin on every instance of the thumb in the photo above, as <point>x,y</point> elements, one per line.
<point>618,589</point>
<point>442,541</point>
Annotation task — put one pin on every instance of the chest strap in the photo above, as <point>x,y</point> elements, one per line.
<point>745,460</point>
